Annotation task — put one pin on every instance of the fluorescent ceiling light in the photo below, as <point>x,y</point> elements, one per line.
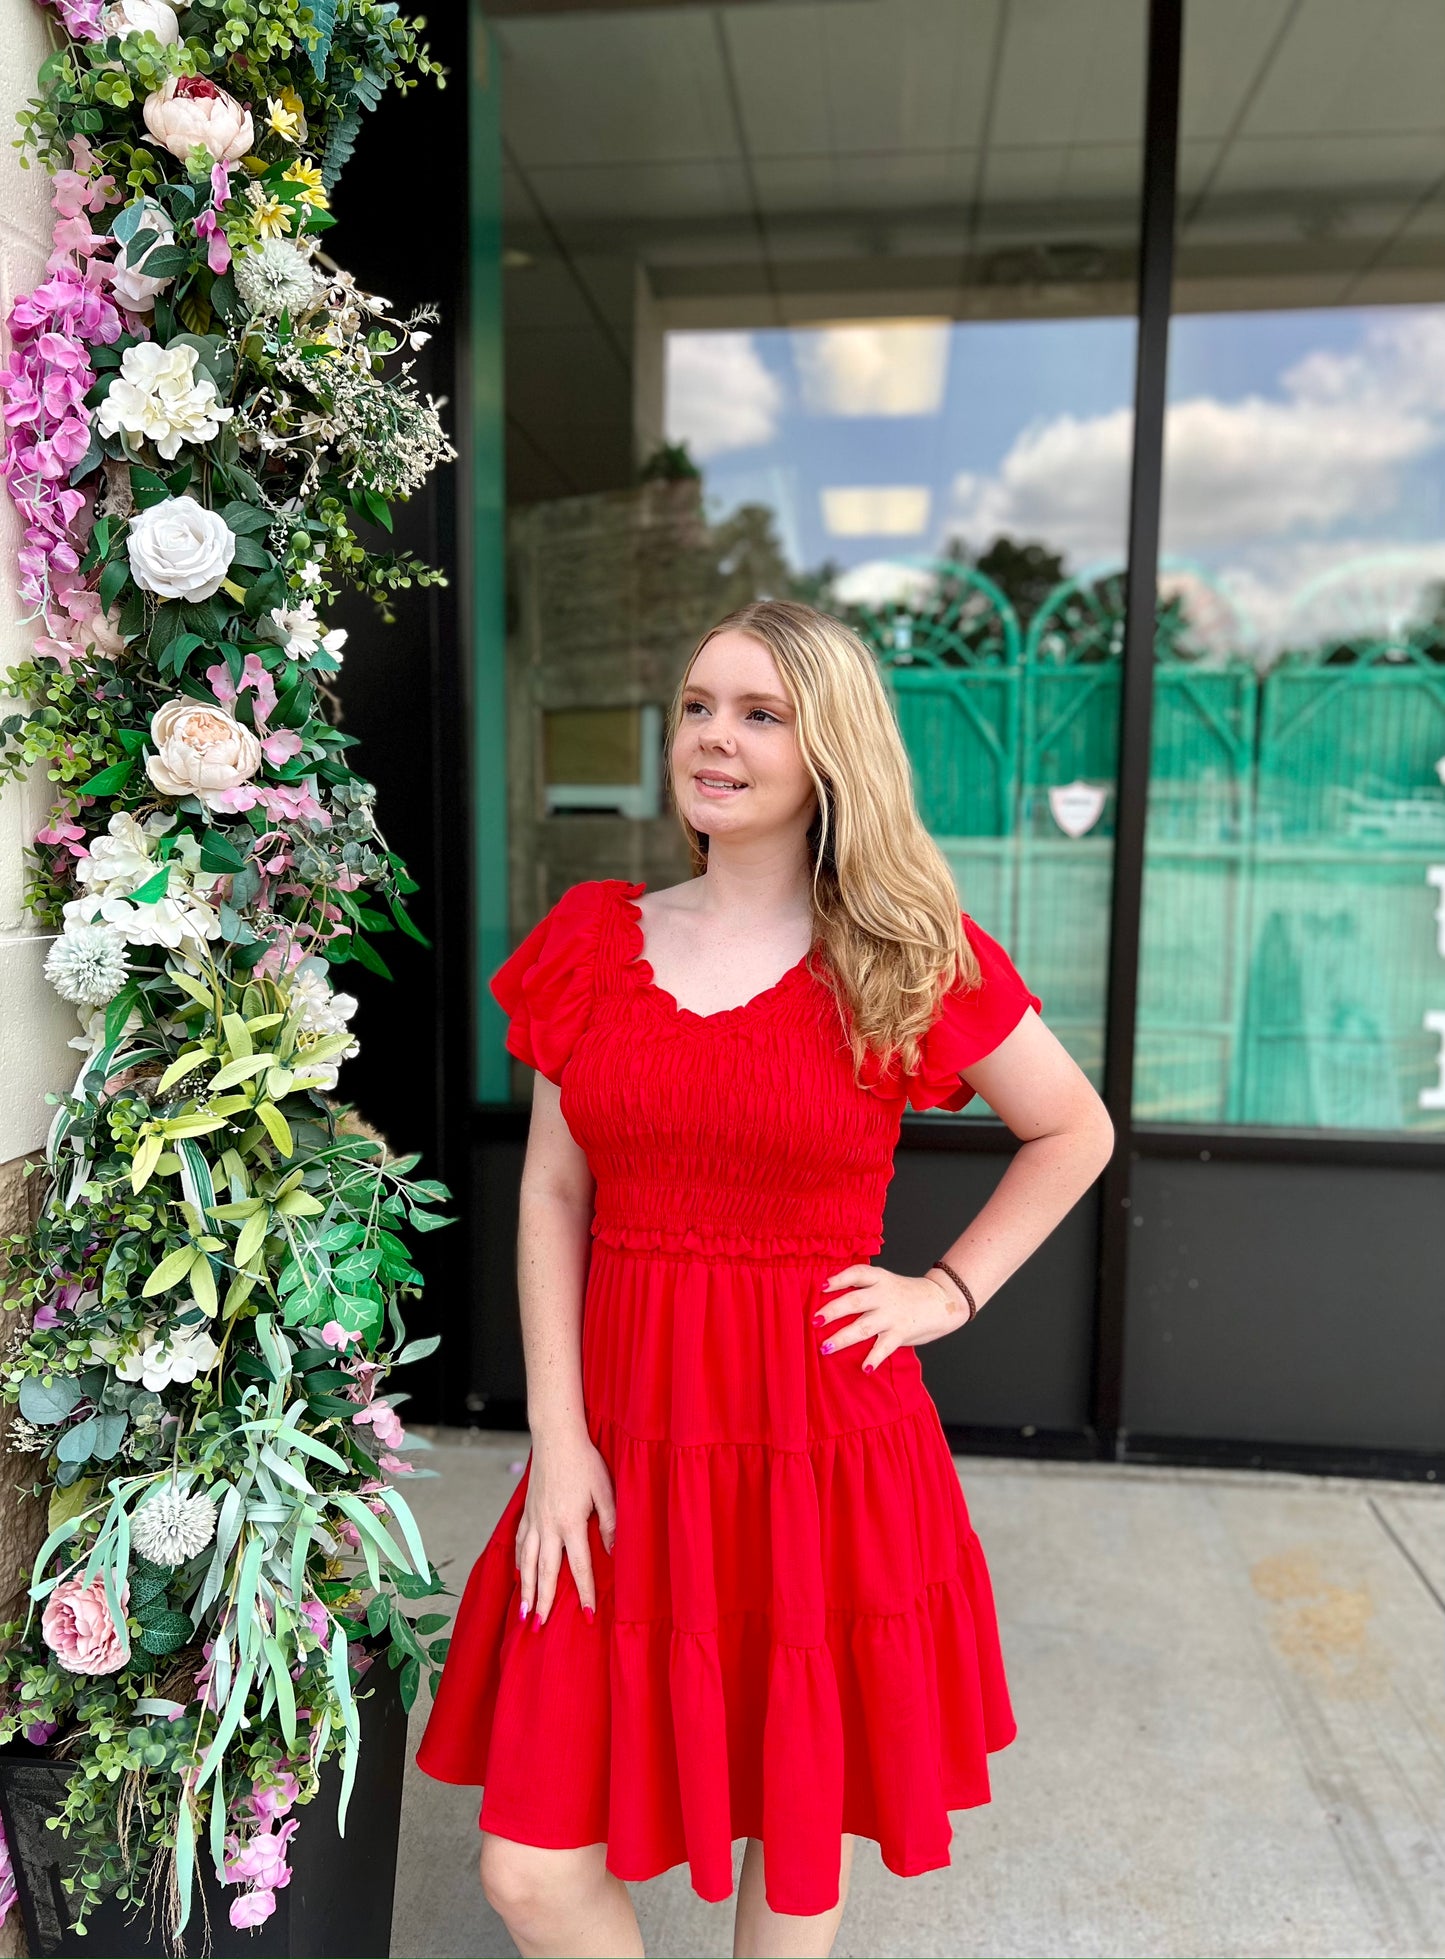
<point>877,510</point>
<point>872,367</point>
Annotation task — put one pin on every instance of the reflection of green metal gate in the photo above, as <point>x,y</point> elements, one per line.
<point>954,676</point>
<point>1288,953</point>
<point>1350,817</point>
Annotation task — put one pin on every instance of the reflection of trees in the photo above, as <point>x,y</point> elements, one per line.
<point>1024,571</point>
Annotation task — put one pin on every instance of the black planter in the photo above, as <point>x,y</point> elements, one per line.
<point>337,1905</point>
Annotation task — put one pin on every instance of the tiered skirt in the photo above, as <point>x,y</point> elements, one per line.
<point>795,1634</point>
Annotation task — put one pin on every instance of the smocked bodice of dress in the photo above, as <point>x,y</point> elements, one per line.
<point>743,1132</point>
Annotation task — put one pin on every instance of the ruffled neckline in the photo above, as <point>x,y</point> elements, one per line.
<point>640,968</point>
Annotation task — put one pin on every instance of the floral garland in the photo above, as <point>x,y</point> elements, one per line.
<point>198,413</point>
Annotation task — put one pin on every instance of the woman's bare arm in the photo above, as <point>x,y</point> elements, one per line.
<point>553,1226</point>
<point>1033,1084</point>
<point>569,1478</point>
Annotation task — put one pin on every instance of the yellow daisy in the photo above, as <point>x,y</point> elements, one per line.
<point>287,116</point>
<point>271,217</point>
<point>308,177</point>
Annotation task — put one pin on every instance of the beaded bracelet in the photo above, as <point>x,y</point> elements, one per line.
<point>941,1266</point>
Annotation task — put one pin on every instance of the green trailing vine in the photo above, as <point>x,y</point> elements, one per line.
<point>207,422</point>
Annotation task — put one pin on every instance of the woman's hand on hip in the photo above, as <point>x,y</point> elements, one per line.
<point>892,1309</point>
<point>568,1481</point>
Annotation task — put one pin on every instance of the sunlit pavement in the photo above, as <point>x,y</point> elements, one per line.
<point>1230,1690</point>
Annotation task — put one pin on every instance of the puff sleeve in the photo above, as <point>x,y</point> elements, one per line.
<point>970,1023</point>
<point>546,986</point>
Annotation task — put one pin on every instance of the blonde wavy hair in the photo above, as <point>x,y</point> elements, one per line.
<point>886,914</point>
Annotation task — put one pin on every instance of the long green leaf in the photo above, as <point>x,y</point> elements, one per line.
<point>401,1510</point>
<point>285,1692</point>
<point>235,1707</point>
<point>185,1857</point>
<point>339,1667</point>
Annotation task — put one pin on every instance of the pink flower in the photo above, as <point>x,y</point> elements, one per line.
<point>78,1629</point>
<point>203,1680</point>
<point>394,1466</point>
<point>280,747</point>
<point>218,245</point>
<point>364,1373</point>
<point>262,1861</point>
<point>318,1618</point>
<point>252,1908</point>
<point>384,1424</point>
<point>8,1890</point>
<point>268,1802</point>
<point>337,1335</point>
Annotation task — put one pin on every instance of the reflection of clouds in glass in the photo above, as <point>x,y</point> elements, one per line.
<point>877,367</point>
<point>886,581</point>
<point>1328,448</point>
<point>1065,483</point>
<point>876,509</point>
<point>720,396</point>
<point>1310,592</point>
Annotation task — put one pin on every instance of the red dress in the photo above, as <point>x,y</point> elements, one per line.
<point>795,1635</point>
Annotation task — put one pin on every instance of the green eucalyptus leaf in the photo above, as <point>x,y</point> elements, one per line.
<point>44,1404</point>
<point>77,1443</point>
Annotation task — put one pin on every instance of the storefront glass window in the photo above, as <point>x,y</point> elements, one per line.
<point>833,301</point>
<point>1293,966</point>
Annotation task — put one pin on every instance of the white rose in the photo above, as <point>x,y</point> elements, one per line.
<point>190,109</point>
<point>200,751</point>
<point>138,16</point>
<point>180,550</point>
<point>156,397</point>
<point>133,287</point>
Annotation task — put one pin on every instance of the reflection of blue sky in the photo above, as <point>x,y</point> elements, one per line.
<point>1296,441</point>
<point>998,379</point>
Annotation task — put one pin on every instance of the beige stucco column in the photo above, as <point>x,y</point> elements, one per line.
<point>35,1023</point>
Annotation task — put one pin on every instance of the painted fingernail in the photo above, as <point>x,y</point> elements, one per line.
<point>522,1611</point>
<point>818,1320</point>
<point>867,1367</point>
<point>827,1347</point>
<point>536,1622</point>
<point>588,1614</point>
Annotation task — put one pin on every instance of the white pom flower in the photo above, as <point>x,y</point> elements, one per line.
<point>172,1527</point>
<point>275,279</point>
<point>87,964</point>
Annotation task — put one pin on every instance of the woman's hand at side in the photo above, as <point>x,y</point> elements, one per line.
<point>568,1481</point>
<point>569,1477</point>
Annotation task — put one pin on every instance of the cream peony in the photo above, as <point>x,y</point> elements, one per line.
<point>129,282</point>
<point>190,109</point>
<point>156,17</point>
<point>200,750</point>
<point>180,550</point>
<point>157,398</point>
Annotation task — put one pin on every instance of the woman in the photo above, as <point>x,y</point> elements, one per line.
<point>736,1591</point>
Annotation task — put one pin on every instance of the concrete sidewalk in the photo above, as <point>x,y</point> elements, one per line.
<point>1230,1690</point>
